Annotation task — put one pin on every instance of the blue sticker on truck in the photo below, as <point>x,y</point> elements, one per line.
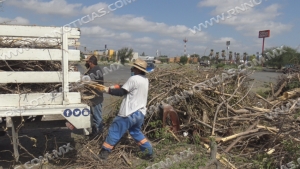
<point>85,112</point>
<point>68,113</point>
<point>76,112</point>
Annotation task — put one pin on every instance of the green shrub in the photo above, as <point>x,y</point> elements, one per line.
<point>220,65</point>
<point>183,59</point>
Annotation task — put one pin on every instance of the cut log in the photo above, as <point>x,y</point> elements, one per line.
<point>238,135</point>
<point>290,94</point>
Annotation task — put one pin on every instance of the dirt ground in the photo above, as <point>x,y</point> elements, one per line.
<point>37,142</point>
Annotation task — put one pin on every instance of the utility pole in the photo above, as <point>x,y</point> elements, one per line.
<point>185,41</point>
<point>227,44</point>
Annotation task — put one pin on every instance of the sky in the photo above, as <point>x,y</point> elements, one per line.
<point>161,25</point>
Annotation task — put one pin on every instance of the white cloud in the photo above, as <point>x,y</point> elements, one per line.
<point>144,46</point>
<point>56,7</point>
<point>168,42</point>
<point>96,31</point>
<point>249,21</point>
<point>144,40</point>
<point>140,24</point>
<point>93,8</point>
<point>223,40</point>
<point>124,35</point>
<point>16,21</point>
<point>110,21</point>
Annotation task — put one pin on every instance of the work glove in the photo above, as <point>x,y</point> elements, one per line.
<point>115,86</point>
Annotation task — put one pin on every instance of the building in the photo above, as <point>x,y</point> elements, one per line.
<point>192,59</point>
<point>171,60</point>
<point>110,53</point>
<point>135,55</point>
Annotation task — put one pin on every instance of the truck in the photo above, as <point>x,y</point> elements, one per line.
<point>48,44</point>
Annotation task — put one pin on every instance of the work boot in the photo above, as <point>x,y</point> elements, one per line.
<point>149,157</point>
<point>104,154</point>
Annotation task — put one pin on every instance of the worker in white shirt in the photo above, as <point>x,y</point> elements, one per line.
<point>132,111</point>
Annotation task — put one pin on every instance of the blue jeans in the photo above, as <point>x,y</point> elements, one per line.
<point>97,117</point>
<point>120,125</point>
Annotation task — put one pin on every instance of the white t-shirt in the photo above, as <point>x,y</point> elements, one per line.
<point>136,99</point>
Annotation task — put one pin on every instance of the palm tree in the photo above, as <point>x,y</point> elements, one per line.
<point>217,57</point>
<point>223,55</point>
<point>211,53</point>
<point>245,57</point>
<point>238,58</point>
<point>230,56</point>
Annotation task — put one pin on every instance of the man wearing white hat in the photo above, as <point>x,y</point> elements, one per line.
<point>132,111</point>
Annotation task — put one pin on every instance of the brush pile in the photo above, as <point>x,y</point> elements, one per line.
<point>250,130</point>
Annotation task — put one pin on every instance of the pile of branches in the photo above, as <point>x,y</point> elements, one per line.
<point>238,125</point>
<point>243,123</point>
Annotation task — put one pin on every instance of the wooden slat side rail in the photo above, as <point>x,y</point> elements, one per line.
<point>37,31</point>
<point>37,54</point>
<point>37,77</point>
<point>35,99</point>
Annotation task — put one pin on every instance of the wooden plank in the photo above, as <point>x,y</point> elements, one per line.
<point>65,69</point>
<point>37,31</point>
<point>37,54</point>
<point>35,99</point>
<point>37,77</point>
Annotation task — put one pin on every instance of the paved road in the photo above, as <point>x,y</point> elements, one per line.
<point>262,78</point>
<point>265,76</point>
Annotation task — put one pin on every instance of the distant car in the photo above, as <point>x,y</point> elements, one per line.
<point>150,67</point>
<point>203,64</point>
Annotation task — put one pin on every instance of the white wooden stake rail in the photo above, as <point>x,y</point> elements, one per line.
<point>65,103</point>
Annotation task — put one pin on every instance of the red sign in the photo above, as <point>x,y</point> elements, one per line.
<point>264,34</point>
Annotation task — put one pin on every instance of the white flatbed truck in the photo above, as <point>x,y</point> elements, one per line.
<point>64,103</point>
